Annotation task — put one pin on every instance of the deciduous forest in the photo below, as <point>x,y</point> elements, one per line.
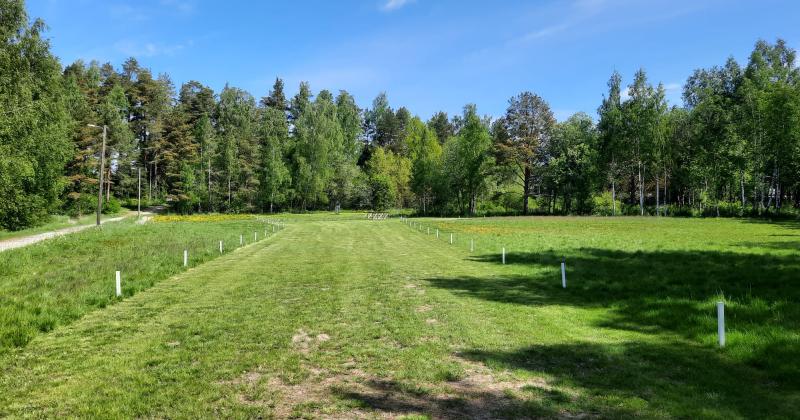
<point>731,149</point>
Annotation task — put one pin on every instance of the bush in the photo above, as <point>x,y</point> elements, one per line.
<point>79,204</point>
<point>183,204</point>
<point>111,206</point>
<point>603,205</point>
<point>490,208</point>
<point>22,211</point>
<point>384,192</point>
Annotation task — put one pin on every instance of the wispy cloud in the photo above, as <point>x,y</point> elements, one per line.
<point>577,12</point>
<point>544,32</point>
<point>139,13</point>
<point>127,12</point>
<point>391,5</point>
<point>182,6</point>
<point>148,49</point>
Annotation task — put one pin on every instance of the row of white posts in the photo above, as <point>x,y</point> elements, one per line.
<point>720,305</point>
<point>118,275</point>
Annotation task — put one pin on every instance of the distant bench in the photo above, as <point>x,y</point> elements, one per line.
<point>377,216</point>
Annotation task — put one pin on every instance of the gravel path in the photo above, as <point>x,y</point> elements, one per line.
<point>27,240</point>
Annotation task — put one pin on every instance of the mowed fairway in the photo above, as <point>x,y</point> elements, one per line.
<point>358,318</point>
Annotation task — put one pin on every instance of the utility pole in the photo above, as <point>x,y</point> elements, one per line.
<point>139,213</point>
<point>102,169</point>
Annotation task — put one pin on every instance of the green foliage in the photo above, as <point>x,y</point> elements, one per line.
<point>384,191</point>
<point>603,204</point>
<point>111,205</point>
<point>735,140</point>
<point>387,167</point>
<point>34,121</point>
<point>523,136</point>
<point>425,154</point>
<point>467,161</point>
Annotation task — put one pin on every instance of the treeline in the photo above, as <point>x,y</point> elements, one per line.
<point>732,149</point>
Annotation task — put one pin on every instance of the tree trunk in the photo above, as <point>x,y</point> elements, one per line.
<point>155,177</point>
<point>108,185</point>
<point>526,189</point>
<point>658,209</point>
<point>613,198</point>
<point>778,191</point>
<point>641,191</point>
<point>772,186</point>
<point>666,196</point>
<point>741,185</point>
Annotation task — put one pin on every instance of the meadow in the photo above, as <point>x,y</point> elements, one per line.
<point>341,317</point>
<point>56,222</point>
<point>54,282</point>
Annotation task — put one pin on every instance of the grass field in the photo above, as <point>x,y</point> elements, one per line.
<point>57,222</point>
<point>343,318</point>
<point>57,281</point>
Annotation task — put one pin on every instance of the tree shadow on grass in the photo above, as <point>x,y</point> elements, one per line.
<point>666,292</point>
<point>389,398</point>
<point>650,380</point>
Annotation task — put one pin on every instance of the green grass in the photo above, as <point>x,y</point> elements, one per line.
<point>651,274</point>
<point>56,281</point>
<point>56,222</point>
<point>354,318</point>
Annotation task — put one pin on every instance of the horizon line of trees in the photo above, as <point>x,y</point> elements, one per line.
<point>732,149</point>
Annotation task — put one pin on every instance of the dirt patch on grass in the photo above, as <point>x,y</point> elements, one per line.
<point>354,394</point>
<point>305,343</point>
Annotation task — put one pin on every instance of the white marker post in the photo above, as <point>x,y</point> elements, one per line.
<point>721,323</point>
<point>471,245</point>
<point>504,255</point>
<point>429,231</point>
<point>185,257</point>
<point>451,239</point>
<point>437,233</point>
<point>255,236</point>
<point>220,247</point>
<point>119,284</point>
<point>241,240</point>
<point>564,272</point>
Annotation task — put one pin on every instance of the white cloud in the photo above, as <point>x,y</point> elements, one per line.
<point>182,6</point>
<point>395,4</point>
<point>544,32</point>
<point>147,49</point>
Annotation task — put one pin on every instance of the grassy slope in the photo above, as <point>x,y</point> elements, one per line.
<point>342,318</point>
<point>54,282</point>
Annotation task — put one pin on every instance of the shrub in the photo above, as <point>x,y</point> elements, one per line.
<point>22,211</point>
<point>603,205</point>
<point>79,204</point>
<point>111,206</point>
<point>384,192</point>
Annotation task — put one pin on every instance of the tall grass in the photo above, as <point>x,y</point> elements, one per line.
<point>57,281</point>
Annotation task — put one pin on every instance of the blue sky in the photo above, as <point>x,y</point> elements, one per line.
<point>427,55</point>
